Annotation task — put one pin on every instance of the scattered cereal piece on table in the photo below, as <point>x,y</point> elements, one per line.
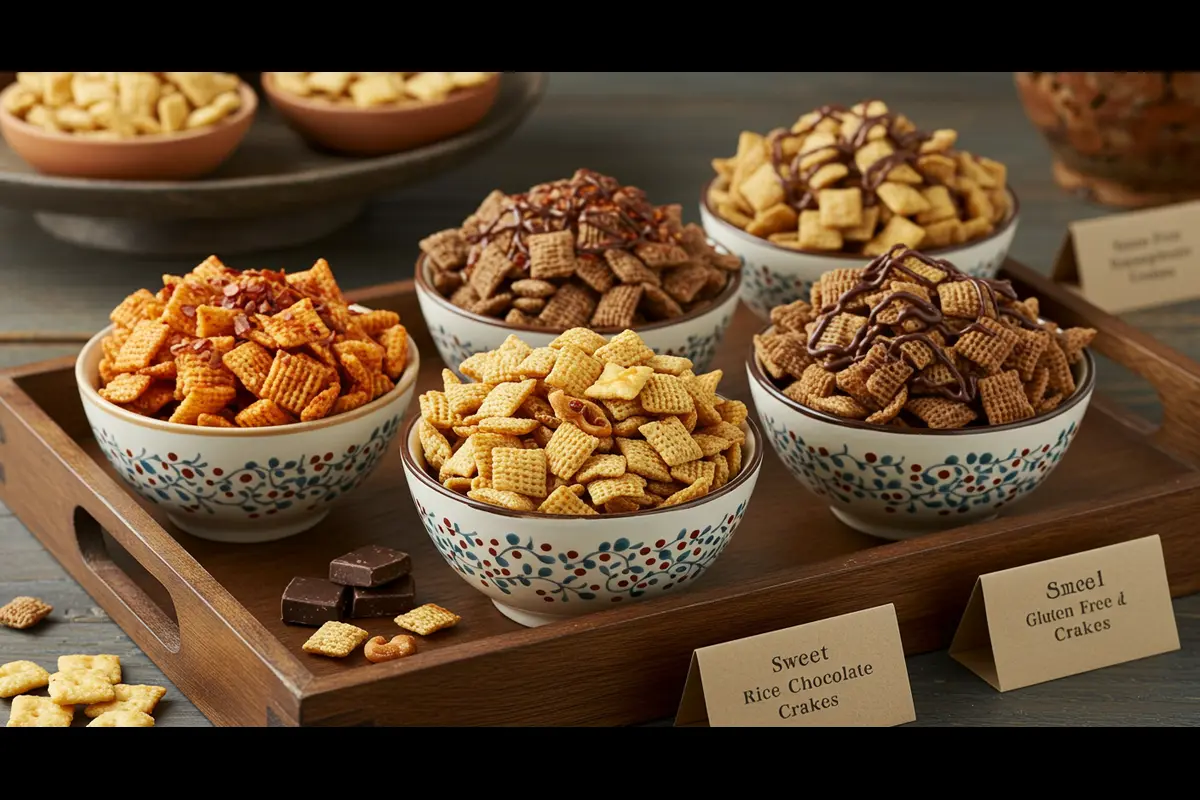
<point>335,640</point>
<point>427,619</point>
<point>24,612</point>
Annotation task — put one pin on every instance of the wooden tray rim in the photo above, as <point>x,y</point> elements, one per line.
<point>302,684</point>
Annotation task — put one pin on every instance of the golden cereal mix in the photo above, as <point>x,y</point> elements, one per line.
<point>24,612</point>
<point>370,90</point>
<point>72,686</point>
<point>216,342</point>
<point>428,619</point>
<point>522,442</point>
<point>910,341</point>
<point>122,718</point>
<point>18,677</point>
<point>108,664</point>
<point>39,712</point>
<point>692,492</point>
<point>335,640</point>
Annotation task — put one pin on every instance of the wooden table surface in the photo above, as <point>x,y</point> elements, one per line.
<point>657,131</point>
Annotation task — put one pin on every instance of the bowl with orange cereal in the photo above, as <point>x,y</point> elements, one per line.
<point>912,397</point>
<point>574,477</point>
<point>841,187</point>
<point>581,252</point>
<point>245,403</point>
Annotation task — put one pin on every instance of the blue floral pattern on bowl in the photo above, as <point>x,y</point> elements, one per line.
<point>958,484</point>
<point>453,350</point>
<point>620,569</point>
<point>257,489</point>
<point>763,288</point>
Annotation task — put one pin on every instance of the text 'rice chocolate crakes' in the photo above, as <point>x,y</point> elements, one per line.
<point>912,342</point>
<point>224,348</point>
<point>859,180</point>
<point>579,252</point>
<point>585,426</point>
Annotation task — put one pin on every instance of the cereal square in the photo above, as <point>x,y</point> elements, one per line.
<point>24,612</point>
<point>427,619</point>
<point>626,349</point>
<point>294,380</point>
<point>551,255</point>
<point>671,441</point>
<point>568,448</point>
<point>516,469</point>
<point>335,640</point>
<point>574,371</point>
<point>1004,399</point>
<point>562,501</point>
<point>840,208</point>
<point>816,236</point>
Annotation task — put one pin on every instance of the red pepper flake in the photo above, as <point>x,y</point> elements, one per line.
<point>255,288</point>
<point>214,360</point>
<point>264,307</point>
<point>241,325</point>
<point>178,348</point>
<point>230,289</point>
<point>250,306</point>
<point>188,311</point>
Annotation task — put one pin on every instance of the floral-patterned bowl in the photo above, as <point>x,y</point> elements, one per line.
<point>897,483</point>
<point>243,485</point>
<point>539,569</point>
<point>773,275</point>
<point>459,333</point>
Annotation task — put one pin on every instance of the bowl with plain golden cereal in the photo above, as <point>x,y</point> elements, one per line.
<point>584,251</point>
<point>134,126</point>
<point>842,186</point>
<point>566,479</point>
<point>244,403</point>
<point>913,397</point>
<point>377,113</point>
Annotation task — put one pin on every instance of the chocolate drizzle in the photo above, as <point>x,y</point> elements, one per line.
<point>622,213</point>
<point>795,180</point>
<point>964,385</point>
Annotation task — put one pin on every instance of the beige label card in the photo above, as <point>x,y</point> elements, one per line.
<point>1068,615</point>
<point>1141,259</point>
<point>838,672</point>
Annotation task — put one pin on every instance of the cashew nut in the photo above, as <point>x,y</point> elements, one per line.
<point>380,649</point>
<point>584,414</point>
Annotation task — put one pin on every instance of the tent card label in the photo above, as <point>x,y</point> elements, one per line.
<point>843,671</point>
<point>1141,259</point>
<point>1069,615</point>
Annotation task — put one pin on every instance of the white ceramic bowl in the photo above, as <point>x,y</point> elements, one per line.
<point>459,333</point>
<point>773,275</point>
<point>897,483</point>
<point>243,485</point>
<point>538,569</point>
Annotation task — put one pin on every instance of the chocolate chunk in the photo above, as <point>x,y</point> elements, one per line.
<point>369,567</point>
<point>313,601</point>
<point>387,601</point>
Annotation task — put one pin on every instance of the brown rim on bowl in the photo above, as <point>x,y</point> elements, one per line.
<point>86,384</point>
<point>748,469</point>
<point>936,251</point>
<point>731,289</point>
<point>1082,390</point>
<point>268,84</point>
<point>249,106</point>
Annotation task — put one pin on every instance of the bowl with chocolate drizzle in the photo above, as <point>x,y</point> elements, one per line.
<point>912,397</point>
<point>842,186</point>
<point>581,252</point>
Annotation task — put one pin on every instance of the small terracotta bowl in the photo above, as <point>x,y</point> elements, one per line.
<point>157,157</point>
<point>244,485</point>
<point>384,129</point>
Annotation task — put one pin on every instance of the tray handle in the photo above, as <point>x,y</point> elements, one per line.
<point>1174,376</point>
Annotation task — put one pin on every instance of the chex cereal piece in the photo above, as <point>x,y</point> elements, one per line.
<point>72,686</point>
<point>108,664</point>
<point>294,380</point>
<point>989,349</point>
<point>263,414</point>
<point>24,612</point>
<point>296,325</point>
<point>1004,398</point>
<point>503,499</point>
<point>692,492</point>
<point>39,712</point>
<point>601,466</point>
<point>1035,390</point>
<point>428,619</point>
<point>18,677</point>
<point>482,445</point>
<point>585,339</point>
<point>1073,342</point>
<point>122,718</point>
<point>505,398</point>
<point>574,371</point>
<point>250,363</point>
<point>616,383</point>
<point>435,409</point>
<point>643,459</point>
<point>940,413</point>
<point>551,255</point>
<point>433,444</point>
<point>671,441</point>
<point>692,471</point>
<point>563,501</point>
<point>320,406</point>
<point>463,399</point>
<point>446,250</point>
<point>539,363</point>
<point>617,307</point>
<point>335,640</point>
<point>567,449</point>
<point>126,388</point>
<point>665,394</point>
<point>570,307</point>
<point>669,365</point>
<point>519,470</point>
<point>734,412</point>
<point>508,425</point>
<point>626,349</point>
<point>1028,352</point>
<point>138,350</point>
<point>605,489</point>
<point>141,305</point>
<point>139,698</point>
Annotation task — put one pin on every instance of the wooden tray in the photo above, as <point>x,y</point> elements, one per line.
<point>208,614</point>
<point>275,191</point>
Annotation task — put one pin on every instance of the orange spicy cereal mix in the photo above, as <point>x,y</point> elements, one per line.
<point>582,251</point>
<point>859,180</point>
<point>225,348</point>
<point>911,341</point>
<point>587,425</point>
